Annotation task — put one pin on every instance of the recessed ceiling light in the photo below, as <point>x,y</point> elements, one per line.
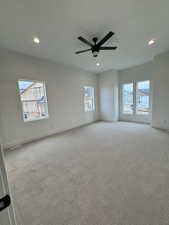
<point>97,64</point>
<point>151,42</point>
<point>36,40</point>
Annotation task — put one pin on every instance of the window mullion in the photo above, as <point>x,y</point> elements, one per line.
<point>134,97</point>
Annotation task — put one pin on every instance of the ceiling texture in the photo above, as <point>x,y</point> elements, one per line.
<point>58,23</point>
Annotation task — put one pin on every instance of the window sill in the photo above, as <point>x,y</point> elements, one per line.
<point>90,111</point>
<point>135,114</point>
<point>41,118</point>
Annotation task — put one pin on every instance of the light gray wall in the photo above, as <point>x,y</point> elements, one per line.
<point>64,86</point>
<point>158,72</point>
<point>65,96</point>
<point>160,107</point>
<point>1,128</point>
<point>108,87</point>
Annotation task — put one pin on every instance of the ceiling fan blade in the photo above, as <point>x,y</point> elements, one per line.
<point>109,35</point>
<point>85,41</point>
<point>108,48</point>
<point>87,50</point>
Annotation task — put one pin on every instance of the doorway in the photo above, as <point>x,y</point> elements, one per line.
<point>135,101</point>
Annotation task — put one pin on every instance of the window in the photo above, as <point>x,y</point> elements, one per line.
<point>136,98</point>
<point>34,100</point>
<point>89,99</point>
<point>127,98</point>
<point>143,97</point>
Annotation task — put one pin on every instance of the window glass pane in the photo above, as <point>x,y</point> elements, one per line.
<point>143,97</point>
<point>88,99</point>
<point>127,94</point>
<point>34,100</point>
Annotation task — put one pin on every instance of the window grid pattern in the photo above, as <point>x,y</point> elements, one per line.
<point>34,100</point>
<point>89,99</point>
<point>136,98</point>
<point>128,98</point>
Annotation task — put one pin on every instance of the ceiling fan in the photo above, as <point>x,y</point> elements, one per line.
<point>97,46</point>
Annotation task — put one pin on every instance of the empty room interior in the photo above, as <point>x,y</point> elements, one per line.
<point>84,112</point>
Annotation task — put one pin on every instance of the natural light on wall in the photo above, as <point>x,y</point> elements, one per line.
<point>33,99</point>
<point>89,99</point>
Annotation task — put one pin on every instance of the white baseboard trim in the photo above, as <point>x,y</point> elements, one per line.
<point>161,128</point>
<point>19,145</point>
<point>133,121</point>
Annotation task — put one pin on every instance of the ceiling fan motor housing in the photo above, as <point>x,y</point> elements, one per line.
<point>95,48</point>
<point>95,39</point>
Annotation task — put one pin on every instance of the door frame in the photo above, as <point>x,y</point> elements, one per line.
<point>134,117</point>
<point>6,190</point>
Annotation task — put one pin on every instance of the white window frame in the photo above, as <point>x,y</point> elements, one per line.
<point>44,86</point>
<point>122,100</point>
<point>136,87</point>
<point>134,98</point>
<point>93,91</point>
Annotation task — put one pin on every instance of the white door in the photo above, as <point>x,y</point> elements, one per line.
<point>135,101</point>
<point>7,216</point>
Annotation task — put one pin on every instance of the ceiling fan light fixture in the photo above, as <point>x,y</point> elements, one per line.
<point>152,42</point>
<point>95,53</point>
<point>36,40</point>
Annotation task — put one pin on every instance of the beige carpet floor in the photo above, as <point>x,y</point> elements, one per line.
<point>101,174</point>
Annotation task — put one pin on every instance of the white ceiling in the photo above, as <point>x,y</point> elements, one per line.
<point>58,23</point>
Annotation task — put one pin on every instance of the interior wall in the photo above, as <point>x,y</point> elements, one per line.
<point>64,87</point>
<point>108,88</point>
<point>160,107</point>
<point>158,72</point>
<point>1,128</point>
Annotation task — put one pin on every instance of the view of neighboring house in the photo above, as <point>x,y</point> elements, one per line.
<point>88,99</point>
<point>34,101</point>
<point>142,98</point>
